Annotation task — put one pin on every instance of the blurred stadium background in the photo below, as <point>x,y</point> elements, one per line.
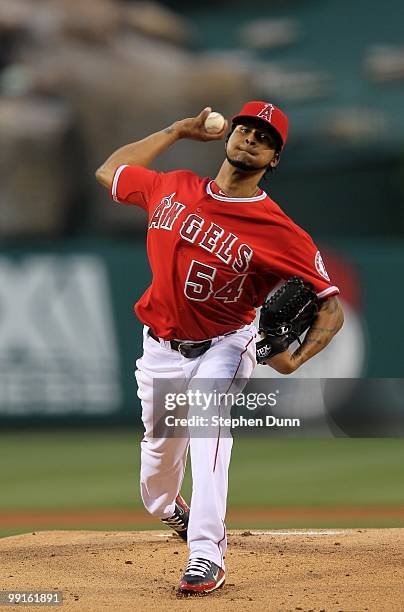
<point>79,79</point>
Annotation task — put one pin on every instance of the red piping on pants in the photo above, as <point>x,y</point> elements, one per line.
<point>232,380</point>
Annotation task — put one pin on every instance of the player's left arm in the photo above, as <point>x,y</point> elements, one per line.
<point>328,322</point>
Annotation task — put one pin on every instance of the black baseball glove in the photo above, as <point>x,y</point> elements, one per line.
<point>285,316</point>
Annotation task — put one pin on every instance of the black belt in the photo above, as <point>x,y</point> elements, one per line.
<point>188,349</point>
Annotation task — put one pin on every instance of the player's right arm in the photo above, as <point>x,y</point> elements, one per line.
<point>143,152</point>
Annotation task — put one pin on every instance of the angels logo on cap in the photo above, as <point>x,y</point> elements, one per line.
<point>269,113</point>
<point>266,112</point>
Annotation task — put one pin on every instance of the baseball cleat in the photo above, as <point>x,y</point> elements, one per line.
<point>179,520</point>
<point>201,576</point>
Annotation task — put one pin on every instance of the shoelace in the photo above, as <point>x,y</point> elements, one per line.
<point>198,567</point>
<point>175,522</point>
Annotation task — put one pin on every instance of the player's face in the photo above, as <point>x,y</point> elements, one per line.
<point>251,147</point>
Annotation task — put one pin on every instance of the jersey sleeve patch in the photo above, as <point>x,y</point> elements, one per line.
<point>320,267</point>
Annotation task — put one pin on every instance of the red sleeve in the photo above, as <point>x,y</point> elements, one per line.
<point>134,185</point>
<point>301,257</point>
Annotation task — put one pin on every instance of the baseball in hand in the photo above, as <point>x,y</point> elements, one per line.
<point>214,123</point>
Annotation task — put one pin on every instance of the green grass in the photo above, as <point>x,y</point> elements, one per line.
<point>317,472</point>
<point>56,470</point>
<point>100,470</point>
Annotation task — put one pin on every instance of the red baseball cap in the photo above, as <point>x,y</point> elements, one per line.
<point>266,112</point>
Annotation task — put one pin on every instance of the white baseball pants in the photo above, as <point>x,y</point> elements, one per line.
<point>230,359</point>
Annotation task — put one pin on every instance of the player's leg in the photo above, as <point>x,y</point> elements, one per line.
<point>225,367</point>
<point>163,459</point>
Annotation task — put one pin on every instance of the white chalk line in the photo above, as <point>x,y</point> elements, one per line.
<point>282,533</point>
<point>274,533</point>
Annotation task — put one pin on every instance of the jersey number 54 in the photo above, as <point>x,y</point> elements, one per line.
<point>199,284</point>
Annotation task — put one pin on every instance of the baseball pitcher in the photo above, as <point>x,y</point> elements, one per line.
<point>217,248</point>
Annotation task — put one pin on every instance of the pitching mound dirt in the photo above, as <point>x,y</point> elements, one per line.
<point>344,570</point>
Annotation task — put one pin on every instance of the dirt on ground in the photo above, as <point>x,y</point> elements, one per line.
<point>30,520</point>
<point>310,570</point>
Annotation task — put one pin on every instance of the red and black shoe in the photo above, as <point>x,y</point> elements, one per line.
<point>179,520</point>
<point>201,576</point>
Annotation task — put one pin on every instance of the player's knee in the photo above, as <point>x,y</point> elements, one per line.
<point>148,502</point>
<point>155,505</point>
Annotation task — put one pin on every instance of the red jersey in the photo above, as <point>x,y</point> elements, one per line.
<point>214,258</point>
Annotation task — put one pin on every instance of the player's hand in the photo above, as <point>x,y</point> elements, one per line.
<point>284,363</point>
<point>194,129</point>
